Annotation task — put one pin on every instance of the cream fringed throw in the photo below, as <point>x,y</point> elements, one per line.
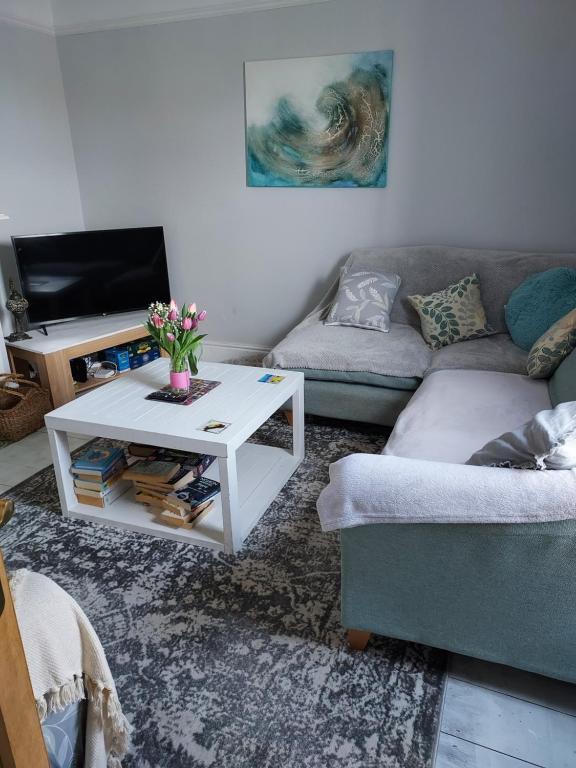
<point>67,663</point>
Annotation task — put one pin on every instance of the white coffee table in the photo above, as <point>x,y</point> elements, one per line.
<point>250,475</point>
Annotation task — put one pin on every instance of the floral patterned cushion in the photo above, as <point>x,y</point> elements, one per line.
<point>454,314</point>
<point>364,300</point>
<point>552,347</point>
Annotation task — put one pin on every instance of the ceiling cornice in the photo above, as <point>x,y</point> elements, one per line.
<point>16,21</point>
<point>199,12</point>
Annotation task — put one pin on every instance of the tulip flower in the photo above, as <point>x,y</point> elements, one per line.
<point>176,332</point>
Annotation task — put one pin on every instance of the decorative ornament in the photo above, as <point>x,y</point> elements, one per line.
<point>17,305</point>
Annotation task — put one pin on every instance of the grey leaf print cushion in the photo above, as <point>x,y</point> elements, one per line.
<point>455,313</point>
<point>364,300</point>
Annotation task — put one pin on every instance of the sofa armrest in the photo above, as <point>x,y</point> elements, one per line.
<point>367,489</point>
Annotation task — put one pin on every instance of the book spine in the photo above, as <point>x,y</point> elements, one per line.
<point>102,500</point>
<point>191,520</point>
<point>98,476</point>
<point>84,466</point>
<point>205,462</point>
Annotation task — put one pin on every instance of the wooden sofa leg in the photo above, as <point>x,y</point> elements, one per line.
<point>289,417</point>
<point>358,639</point>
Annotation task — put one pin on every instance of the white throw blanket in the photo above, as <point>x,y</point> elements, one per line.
<point>368,489</point>
<point>67,664</point>
<point>422,476</point>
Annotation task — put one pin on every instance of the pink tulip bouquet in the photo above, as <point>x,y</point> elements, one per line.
<point>176,331</point>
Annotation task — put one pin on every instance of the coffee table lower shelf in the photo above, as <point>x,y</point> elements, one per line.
<point>262,472</point>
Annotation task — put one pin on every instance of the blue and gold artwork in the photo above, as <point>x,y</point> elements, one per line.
<point>318,122</point>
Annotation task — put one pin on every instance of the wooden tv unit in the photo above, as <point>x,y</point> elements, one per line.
<point>51,354</point>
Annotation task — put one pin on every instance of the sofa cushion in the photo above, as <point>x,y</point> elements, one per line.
<point>453,314</point>
<point>552,347</point>
<point>539,302</point>
<point>562,385</point>
<point>361,377</point>
<point>455,412</point>
<point>364,300</point>
<point>424,269</point>
<point>312,345</point>
<point>493,353</point>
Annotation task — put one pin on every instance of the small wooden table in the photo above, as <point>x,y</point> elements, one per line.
<point>251,475</point>
<point>51,354</point>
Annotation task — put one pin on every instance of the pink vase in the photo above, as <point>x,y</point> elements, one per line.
<point>180,379</point>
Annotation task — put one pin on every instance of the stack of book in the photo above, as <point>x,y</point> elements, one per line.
<point>171,483</point>
<point>98,474</point>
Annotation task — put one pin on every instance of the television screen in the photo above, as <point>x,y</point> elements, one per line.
<point>80,274</point>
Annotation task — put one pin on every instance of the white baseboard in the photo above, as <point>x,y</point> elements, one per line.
<point>225,352</point>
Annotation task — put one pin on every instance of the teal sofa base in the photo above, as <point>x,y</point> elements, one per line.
<point>503,593</point>
<point>355,402</point>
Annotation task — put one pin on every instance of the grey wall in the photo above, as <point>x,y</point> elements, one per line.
<point>482,147</point>
<point>38,182</point>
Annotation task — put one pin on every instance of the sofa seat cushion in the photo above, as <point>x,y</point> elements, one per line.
<point>402,352</point>
<point>454,413</point>
<point>361,377</point>
<point>493,353</point>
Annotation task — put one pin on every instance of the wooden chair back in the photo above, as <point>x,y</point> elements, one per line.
<point>21,740</point>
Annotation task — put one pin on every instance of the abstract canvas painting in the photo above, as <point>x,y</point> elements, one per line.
<point>318,122</point>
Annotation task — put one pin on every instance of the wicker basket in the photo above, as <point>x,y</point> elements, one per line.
<point>21,410</point>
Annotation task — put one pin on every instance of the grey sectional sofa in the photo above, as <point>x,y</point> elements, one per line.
<point>432,549</point>
<point>370,376</point>
<point>427,552</point>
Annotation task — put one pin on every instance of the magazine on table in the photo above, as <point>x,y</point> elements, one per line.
<point>197,389</point>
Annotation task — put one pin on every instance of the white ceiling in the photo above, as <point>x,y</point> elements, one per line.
<point>30,13</point>
<point>73,16</point>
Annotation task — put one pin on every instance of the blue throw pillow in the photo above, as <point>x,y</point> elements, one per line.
<point>538,303</point>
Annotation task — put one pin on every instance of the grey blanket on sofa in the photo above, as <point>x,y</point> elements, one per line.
<point>400,352</point>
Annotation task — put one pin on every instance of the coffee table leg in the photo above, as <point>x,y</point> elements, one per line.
<point>298,422</point>
<point>230,503</point>
<point>60,451</point>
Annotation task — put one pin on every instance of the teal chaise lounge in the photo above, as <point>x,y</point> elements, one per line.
<point>502,592</point>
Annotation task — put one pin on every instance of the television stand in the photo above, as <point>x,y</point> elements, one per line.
<point>51,355</point>
<point>43,329</point>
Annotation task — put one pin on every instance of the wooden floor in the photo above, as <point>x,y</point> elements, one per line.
<point>498,717</point>
<point>493,716</point>
<point>23,459</point>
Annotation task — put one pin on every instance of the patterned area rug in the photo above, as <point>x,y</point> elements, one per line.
<point>240,662</point>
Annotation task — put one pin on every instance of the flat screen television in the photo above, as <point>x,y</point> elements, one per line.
<point>84,274</point>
